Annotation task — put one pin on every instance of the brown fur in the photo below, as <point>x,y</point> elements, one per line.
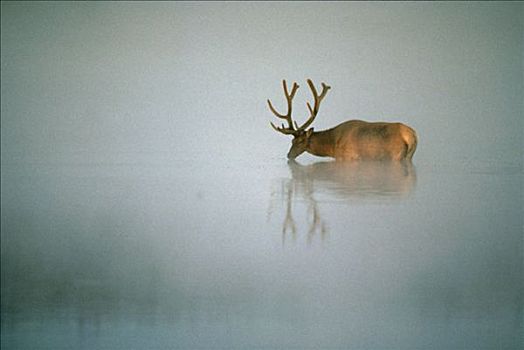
<point>359,140</point>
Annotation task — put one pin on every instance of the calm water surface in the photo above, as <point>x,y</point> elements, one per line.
<point>262,254</point>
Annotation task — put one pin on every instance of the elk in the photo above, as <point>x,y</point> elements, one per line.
<point>350,140</point>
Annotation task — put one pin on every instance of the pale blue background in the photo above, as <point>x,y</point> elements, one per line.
<point>144,195</point>
<point>116,82</point>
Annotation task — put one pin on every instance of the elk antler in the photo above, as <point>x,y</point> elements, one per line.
<point>318,98</point>
<point>290,130</point>
<point>293,128</point>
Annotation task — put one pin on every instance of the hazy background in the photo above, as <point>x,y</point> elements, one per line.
<point>90,82</point>
<point>147,204</point>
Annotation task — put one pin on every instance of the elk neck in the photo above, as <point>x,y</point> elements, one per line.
<point>321,143</point>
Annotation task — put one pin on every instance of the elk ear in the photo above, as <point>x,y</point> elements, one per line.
<point>309,132</point>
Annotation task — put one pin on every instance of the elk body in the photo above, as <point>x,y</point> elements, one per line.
<point>351,140</point>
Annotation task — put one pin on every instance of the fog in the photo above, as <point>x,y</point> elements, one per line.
<point>147,203</point>
<point>117,82</point>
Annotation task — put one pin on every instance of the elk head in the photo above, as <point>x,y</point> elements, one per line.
<point>301,134</point>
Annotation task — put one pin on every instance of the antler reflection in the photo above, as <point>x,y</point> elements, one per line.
<point>291,192</point>
<point>352,181</point>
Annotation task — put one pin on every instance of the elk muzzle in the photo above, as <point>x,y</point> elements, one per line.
<point>295,151</point>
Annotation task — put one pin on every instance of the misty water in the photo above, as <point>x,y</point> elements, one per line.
<point>146,203</point>
<point>262,253</point>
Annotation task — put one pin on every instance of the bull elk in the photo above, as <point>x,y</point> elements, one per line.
<point>351,140</point>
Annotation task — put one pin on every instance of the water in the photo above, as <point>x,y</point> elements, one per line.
<point>147,204</point>
<point>261,254</point>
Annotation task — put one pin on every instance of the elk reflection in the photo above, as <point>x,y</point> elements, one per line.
<point>292,192</point>
<point>335,181</point>
<point>361,179</point>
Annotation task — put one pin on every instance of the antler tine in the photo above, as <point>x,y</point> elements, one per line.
<point>293,89</point>
<point>318,98</point>
<point>283,130</point>
<point>274,111</point>
<point>290,130</point>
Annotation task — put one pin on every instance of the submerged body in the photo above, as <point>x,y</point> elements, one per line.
<point>359,140</point>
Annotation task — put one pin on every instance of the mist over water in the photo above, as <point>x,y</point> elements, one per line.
<point>147,204</point>
<point>265,255</point>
